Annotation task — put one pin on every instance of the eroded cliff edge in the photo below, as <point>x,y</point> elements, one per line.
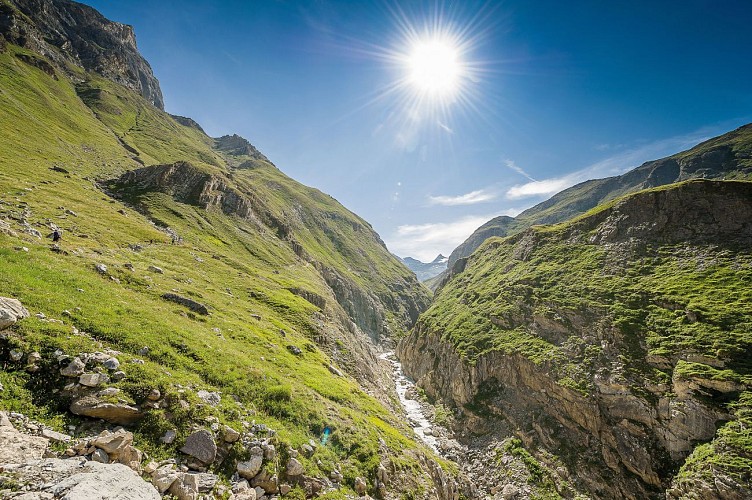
<point>617,342</point>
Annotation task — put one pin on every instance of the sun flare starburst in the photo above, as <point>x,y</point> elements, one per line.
<point>434,67</point>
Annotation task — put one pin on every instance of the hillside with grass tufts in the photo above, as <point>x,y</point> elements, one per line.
<point>615,347</point>
<point>196,290</point>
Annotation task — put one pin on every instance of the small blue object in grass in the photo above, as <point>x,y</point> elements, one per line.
<point>325,436</point>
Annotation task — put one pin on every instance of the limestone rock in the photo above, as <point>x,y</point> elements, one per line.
<point>201,445</point>
<point>115,413</point>
<point>57,437</point>
<point>114,443</point>
<point>101,268</point>
<point>112,364</point>
<point>210,398</point>
<point>100,456</point>
<point>169,436</point>
<point>230,435</point>
<point>75,368</point>
<point>185,487</point>
<point>93,379</point>
<point>156,269</point>
<point>16,447</point>
<point>11,311</point>
<point>81,480</point>
<point>164,477</point>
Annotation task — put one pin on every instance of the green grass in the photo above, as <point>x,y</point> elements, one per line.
<point>241,271</point>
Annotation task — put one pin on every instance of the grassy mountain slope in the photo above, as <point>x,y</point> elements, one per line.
<point>617,340</point>
<point>728,156</point>
<point>285,282</point>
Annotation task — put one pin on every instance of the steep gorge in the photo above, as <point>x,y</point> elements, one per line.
<point>617,341</point>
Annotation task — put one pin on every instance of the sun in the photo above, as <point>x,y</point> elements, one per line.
<point>434,67</point>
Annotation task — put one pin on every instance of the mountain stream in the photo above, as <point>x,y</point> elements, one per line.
<point>415,414</point>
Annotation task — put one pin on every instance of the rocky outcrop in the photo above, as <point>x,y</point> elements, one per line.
<point>67,32</point>
<point>11,311</point>
<point>235,145</point>
<point>78,479</point>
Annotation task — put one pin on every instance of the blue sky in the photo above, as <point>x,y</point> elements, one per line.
<point>550,93</point>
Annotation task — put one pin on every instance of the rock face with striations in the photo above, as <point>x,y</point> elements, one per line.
<point>68,32</point>
<point>617,341</point>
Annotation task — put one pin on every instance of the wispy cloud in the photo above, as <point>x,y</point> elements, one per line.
<point>426,241</point>
<point>609,166</point>
<point>471,198</point>
<point>513,166</point>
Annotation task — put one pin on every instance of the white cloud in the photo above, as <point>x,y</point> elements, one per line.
<point>545,187</point>
<point>426,241</point>
<point>612,165</point>
<point>512,165</point>
<point>471,198</point>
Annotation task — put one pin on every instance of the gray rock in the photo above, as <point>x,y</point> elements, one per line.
<point>250,468</point>
<point>81,480</point>
<point>169,437</point>
<point>118,376</point>
<point>294,468</point>
<point>93,379</point>
<point>154,395</point>
<point>156,269</point>
<point>164,477</point>
<point>11,311</point>
<point>116,413</point>
<point>75,368</point>
<point>509,492</point>
<point>55,436</point>
<point>206,481</point>
<point>185,487</point>
<point>189,303</point>
<point>210,398</point>
<point>101,268</point>
<point>201,445</point>
<point>16,355</point>
<point>100,456</point>
<point>112,364</point>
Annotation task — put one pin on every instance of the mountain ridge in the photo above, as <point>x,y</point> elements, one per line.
<point>726,156</point>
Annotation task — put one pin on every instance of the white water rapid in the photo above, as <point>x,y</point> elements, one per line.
<point>415,416</point>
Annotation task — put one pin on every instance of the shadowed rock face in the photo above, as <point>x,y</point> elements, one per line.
<point>68,32</point>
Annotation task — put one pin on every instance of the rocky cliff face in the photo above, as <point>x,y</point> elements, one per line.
<point>615,341</point>
<point>68,32</point>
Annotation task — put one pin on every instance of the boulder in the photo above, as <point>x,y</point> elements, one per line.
<point>93,379</point>
<point>185,487</point>
<point>11,311</point>
<point>115,413</point>
<point>100,456</point>
<point>230,435</point>
<point>250,468</point>
<point>169,436</point>
<point>294,468</point>
<point>266,481</point>
<point>201,446</point>
<point>57,437</point>
<point>210,398</point>
<point>206,481</point>
<point>112,364</point>
<point>155,269</point>
<point>16,447</point>
<point>164,477</point>
<point>101,268</point>
<point>114,443</point>
<point>75,368</point>
<point>81,480</point>
<point>189,303</point>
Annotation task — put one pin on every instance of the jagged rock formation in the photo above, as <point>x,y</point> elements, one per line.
<point>237,146</point>
<point>67,32</point>
<point>615,341</point>
<point>728,156</point>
